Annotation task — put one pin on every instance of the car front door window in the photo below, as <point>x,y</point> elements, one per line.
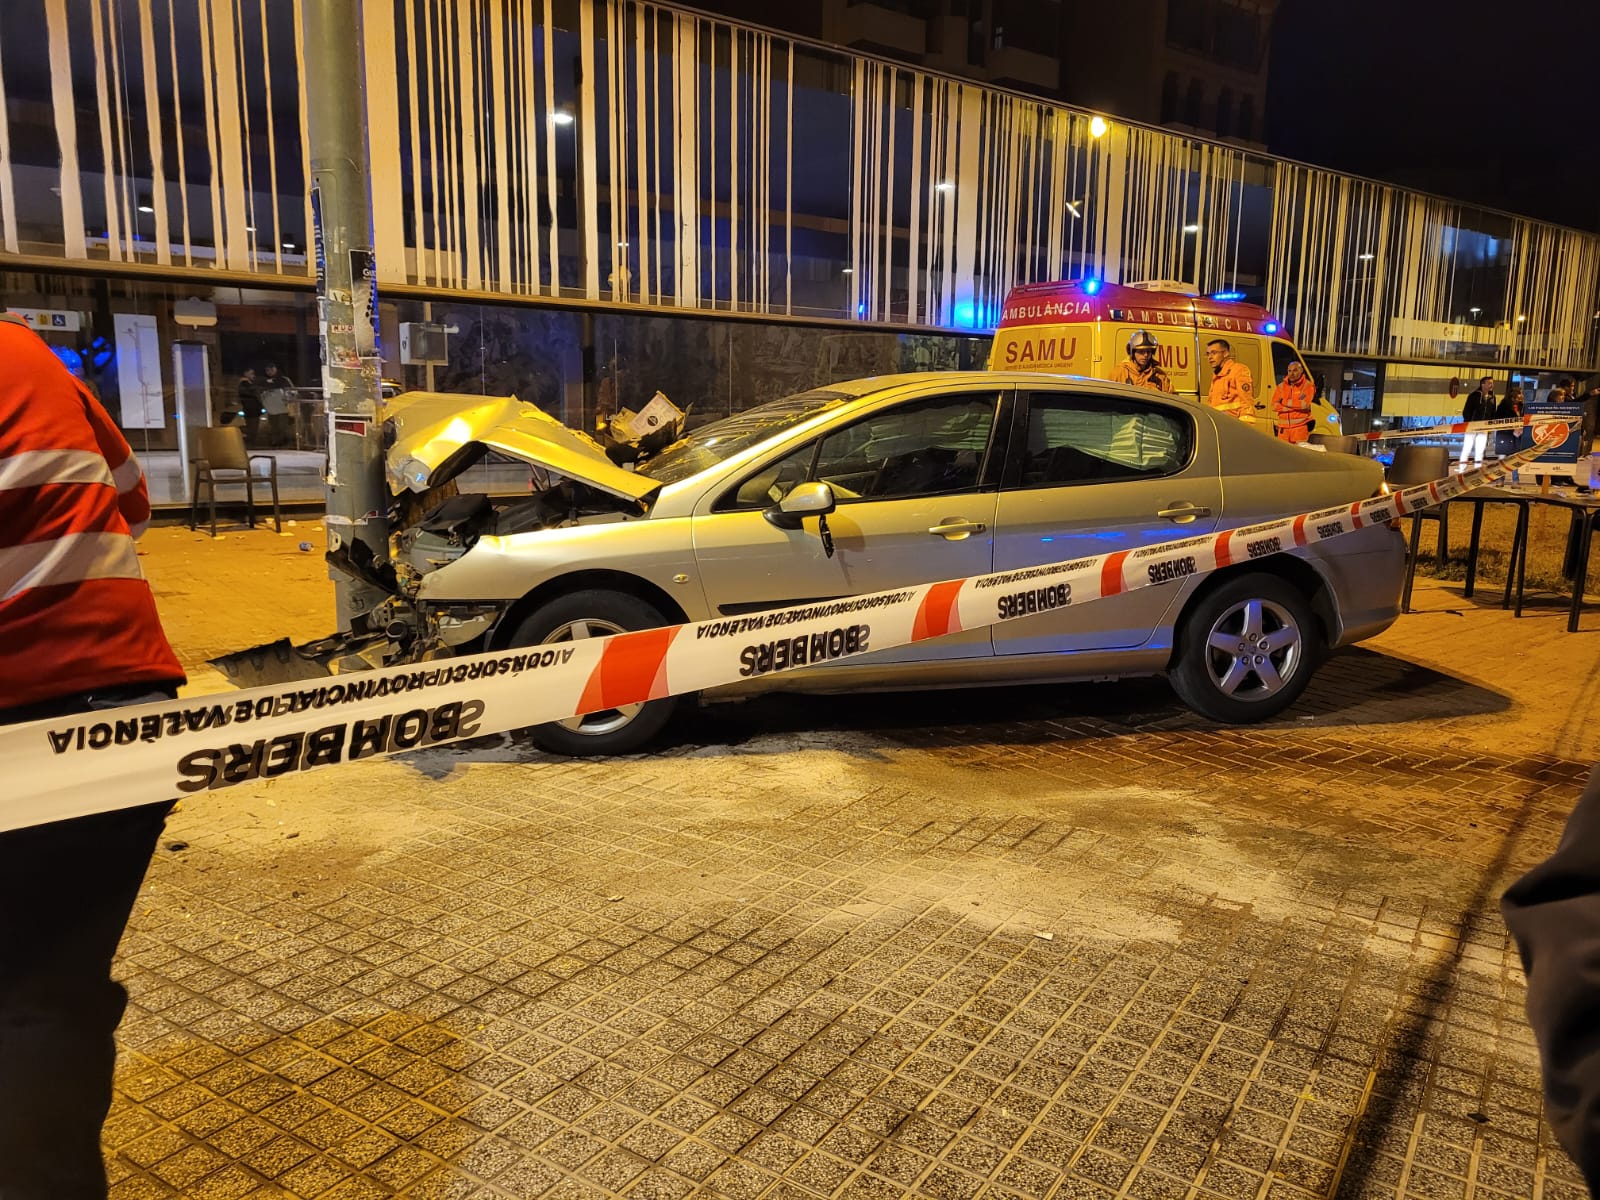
<point>925,448</point>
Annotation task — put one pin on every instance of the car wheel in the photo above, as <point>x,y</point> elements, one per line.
<point>593,614</point>
<point>1246,651</point>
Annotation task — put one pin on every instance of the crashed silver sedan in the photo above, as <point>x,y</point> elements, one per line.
<point>876,484</point>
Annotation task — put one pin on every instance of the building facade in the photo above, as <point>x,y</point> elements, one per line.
<point>558,183</point>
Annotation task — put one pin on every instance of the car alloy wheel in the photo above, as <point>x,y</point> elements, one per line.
<point>612,719</point>
<point>1254,649</point>
<point>592,613</point>
<point>1246,649</point>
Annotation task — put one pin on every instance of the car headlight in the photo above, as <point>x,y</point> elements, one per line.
<point>413,475</point>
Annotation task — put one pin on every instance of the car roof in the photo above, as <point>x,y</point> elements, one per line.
<point>976,378</point>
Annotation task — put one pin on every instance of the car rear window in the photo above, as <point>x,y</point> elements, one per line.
<point>1083,439</point>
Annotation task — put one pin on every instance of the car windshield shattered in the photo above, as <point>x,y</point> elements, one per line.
<point>721,440</point>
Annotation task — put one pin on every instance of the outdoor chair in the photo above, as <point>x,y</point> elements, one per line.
<point>1335,443</point>
<point>1422,464</point>
<point>224,461</point>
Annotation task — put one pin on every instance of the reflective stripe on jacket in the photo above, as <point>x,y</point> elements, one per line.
<point>75,611</point>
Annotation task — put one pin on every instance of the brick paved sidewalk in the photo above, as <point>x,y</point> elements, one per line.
<point>1038,942</point>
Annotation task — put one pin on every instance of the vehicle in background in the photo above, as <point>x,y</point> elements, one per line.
<point>1082,327</point>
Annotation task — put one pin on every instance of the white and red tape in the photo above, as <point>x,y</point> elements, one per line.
<point>119,758</point>
<point>1384,435</point>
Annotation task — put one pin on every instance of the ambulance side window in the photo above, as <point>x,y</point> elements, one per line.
<point>1282,355</point>
<point>1092,439</point>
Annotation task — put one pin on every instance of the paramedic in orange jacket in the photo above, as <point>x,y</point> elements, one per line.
<point>1141,367</point>
<point>1291,404</point>
<point>78,633</point>
<point>1232,389</point>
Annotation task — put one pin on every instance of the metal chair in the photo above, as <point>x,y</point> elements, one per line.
<point>1422,464</point>
<point>224,460</point>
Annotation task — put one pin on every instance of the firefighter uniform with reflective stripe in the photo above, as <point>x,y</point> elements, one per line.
<point>1291,409</point>
<point>1152,376</point>
<point>72,499</point>
<point>78,634</point>
<point>1233,391</point>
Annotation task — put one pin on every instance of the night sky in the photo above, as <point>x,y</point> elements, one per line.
<point>1495,103</point>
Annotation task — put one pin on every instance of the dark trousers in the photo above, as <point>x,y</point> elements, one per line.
<point>66,891</point>
<point>252,423</point>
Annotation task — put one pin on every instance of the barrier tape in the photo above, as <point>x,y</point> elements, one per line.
<point>1457,427</point>
<point>142,754</point>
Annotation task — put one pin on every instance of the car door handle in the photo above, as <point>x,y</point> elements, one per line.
<point>1180,513</point>
<point>955,529</point>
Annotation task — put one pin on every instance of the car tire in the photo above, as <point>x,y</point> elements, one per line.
<point>1246,650</point>
<point>596,613</point>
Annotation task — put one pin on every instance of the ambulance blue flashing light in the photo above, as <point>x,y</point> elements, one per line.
<point>1270,327</point>
<point>1226,296</point>
<point>966,315</point>
<point>1091,285</point>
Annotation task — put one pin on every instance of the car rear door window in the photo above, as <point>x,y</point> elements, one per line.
<point>923,448</point>
<point>1079,438</point>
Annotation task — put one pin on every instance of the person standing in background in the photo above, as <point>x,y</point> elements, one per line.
<point>81,633</point>
<point>1479,407</point>
<point>1291,404</point>
<point>249,393</point>
<point>277,389</point>
<point>1509,409</point>
<point>1233,391</point>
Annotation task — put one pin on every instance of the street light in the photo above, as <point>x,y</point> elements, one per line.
<point>1098,127</point>
<point>1368,257</point>
<point>944,185</point>
<point>1191,229</point>
<point>561,117</point>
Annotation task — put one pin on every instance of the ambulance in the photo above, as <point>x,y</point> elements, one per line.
<point>1082,326</point>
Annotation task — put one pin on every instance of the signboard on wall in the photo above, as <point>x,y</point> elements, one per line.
<point>139,371</point>
<point>51,320</point>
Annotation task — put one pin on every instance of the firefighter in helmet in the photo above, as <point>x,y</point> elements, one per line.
<point>1142,367</point>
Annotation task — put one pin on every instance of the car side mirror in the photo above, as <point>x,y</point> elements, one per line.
<point>804,500</point>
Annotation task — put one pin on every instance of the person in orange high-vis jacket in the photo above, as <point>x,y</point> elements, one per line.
<point>1291,404</point>
<point>78,632</point>
<point>1233,391</point>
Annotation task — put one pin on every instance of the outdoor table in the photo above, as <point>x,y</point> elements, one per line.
<point>1585,520</point>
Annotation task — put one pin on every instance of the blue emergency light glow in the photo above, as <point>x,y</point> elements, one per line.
<point>966,315</point>
<point>1227,296</point>
<point>1091,286</point>
<point>1270,327</point>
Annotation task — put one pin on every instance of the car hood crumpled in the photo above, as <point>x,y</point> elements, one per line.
<point>438,435</point>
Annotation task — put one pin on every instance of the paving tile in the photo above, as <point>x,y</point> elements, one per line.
<point>1273,950</point>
